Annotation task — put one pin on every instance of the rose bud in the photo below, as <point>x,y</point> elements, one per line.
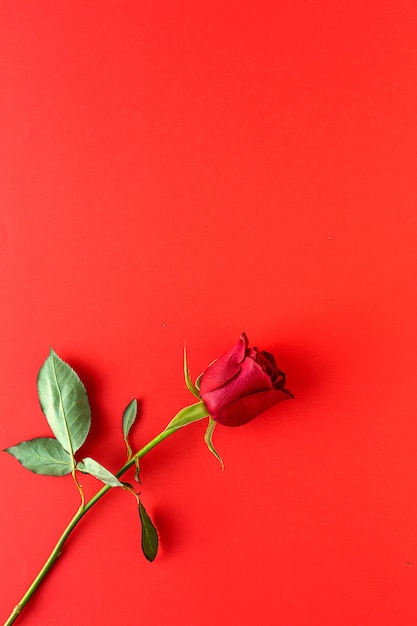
<point>242,384</point>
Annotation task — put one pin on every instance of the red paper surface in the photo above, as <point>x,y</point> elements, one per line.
<point>183,171</point>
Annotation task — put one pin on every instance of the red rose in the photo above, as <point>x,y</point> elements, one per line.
<point>242,384</point>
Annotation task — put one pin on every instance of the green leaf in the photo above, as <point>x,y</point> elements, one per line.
<point>188,382</point>
<point>90,466</point>
<point>129,416</point>
<point>149,534</point>
<point>64,402</point>
<point>208,438</point>
<point>43,455</point>
<point>188,415</point>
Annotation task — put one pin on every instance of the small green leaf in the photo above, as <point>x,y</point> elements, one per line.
<point>149,534</point>
<point>208,438</point>
<point>64,402</point>
<point>90,466</point>
<point>43,455</point>
<point>129,416</point>
<point>188,382</point>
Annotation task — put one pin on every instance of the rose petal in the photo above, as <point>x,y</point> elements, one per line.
<point>225,367</point>
<point>246,409</point>
<point>250,379</point>
<point>267,361</point>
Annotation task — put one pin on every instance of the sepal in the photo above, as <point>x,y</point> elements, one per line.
<point>189,414</point>
<point>188,382</point>
<point>208,438</point>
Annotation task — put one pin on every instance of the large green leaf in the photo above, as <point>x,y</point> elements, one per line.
<point>129,416</point>
<point>64,402</point>
<point>43,455</point>
<point>149,534</point>
<point>90,466</point>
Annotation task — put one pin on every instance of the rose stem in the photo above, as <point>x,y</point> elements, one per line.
<point>56,552</point>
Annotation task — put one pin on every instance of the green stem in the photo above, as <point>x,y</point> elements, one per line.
<point>185,416</point>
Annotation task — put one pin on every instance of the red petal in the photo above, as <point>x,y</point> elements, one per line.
<point>250,379</point>
<point>224,368</point>
<point>246,409</point>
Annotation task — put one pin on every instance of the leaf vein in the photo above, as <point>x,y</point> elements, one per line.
<point>63,413</point>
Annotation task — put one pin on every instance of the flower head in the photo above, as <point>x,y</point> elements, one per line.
<point>241,384</point>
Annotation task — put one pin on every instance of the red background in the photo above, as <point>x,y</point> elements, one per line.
<point>183,171</point>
